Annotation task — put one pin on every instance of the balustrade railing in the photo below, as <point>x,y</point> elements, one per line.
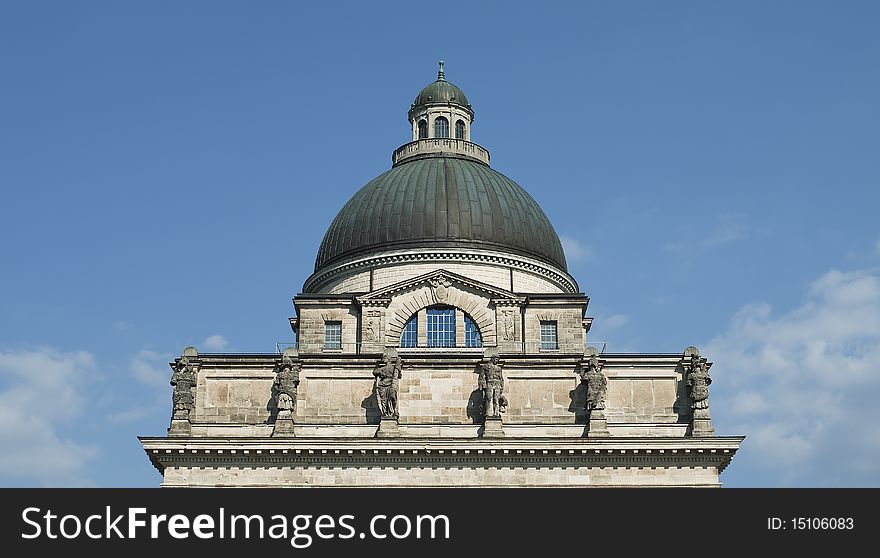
<point>439,146</point>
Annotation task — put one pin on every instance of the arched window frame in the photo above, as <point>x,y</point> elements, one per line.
<point>441,127</point>
<point>472,336</point>
<point>460,130</point>
<point>422,127</point>
<point>409,337</point>
<point>441,329</point>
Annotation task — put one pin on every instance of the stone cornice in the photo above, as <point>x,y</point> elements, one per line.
<point>321,277</point>
<point>385,293</point>
<point>402,452</point>
<point>518,301</point>
<point>443,359</point>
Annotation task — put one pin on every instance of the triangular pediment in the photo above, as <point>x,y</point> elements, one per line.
<point>439,279</point>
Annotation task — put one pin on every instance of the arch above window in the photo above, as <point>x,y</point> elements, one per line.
<point>441,127</point>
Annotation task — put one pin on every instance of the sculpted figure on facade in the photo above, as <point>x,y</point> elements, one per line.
<point>508,325</point>
<point>373,325</point>
<point>596,383</point>
<point>286,384</point>
<point>440,285</point>
<point>698,381</point>
<point>491,382</point>
<point>371,329</point>
<point>388,374</point>
<point>183,379</point>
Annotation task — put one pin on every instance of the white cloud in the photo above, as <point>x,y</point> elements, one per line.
<point>150,368</point>
<point>576,251</point>
<point>43,390</point>
<point>215,343</point>
<point>614,321</point>
<point>802,385</point>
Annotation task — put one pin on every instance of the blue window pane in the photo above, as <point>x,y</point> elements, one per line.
<point>332,335</point>
<point>548,335</point>
<point>441,327</point>
<point>472,336</point>
<point>441,128</point>
<point>409,336</point>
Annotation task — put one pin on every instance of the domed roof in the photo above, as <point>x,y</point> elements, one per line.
<point>440,91</point>
<point>439,202</point>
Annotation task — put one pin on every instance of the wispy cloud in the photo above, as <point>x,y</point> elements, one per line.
<point>122,325</point>
<point>613,321</point>
<point>43,390</point>
<point>725,230</point>
<point>133,414</point>
<point>728,228</point>
<point>150,368</point>
<point>802,384</point>
<point>215,343</point>
<point>576,251</point>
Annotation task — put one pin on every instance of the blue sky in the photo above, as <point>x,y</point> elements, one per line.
<point>168,170</point>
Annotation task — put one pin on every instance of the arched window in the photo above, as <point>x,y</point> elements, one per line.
<point>441,326</point>
<point>423,129</point>
<point>441,329</point>
<point>459,129</point>
<point>441,127</point>
<point>472,337</point>
<point>409,337</point>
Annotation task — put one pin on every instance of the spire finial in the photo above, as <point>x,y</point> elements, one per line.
<point>440,74</point>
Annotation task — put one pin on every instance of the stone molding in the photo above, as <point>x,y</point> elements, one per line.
<point>386,293</point>
<point>320,278</point>
<point>399,452</point>
<point>440,147</point>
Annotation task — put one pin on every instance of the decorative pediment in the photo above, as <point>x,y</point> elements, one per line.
<point>440,282</point>
<point>402,300</point>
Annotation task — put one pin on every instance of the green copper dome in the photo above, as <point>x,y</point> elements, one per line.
<point>441,202</point>
<point>441,91</point>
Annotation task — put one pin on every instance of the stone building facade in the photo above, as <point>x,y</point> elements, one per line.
<point>441,342</point>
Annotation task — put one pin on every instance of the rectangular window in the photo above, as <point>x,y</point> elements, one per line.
<point>441,327</point>
<point>548,335</point>
<point>333,335</point>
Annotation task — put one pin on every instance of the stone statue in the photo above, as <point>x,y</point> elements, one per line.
<point>286,383</point>
<point>183,379</point>
<point>491,381</point>
<point>509,325</point>
<point>388,374</point>
<point>596,383</point>
<point>698,381</point>
<point>371,331</point>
